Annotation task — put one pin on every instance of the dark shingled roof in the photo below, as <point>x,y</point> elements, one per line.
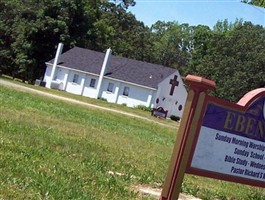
<point>129,70</point>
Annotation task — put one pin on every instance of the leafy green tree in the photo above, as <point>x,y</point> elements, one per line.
<point>124,3</point>
<point>122,32</point>
<point>38,26</point>
<point>260,3</point>
<point>234,59</point>
<point>7,16</point>
<point>201,36</point>
<point>172,46</point>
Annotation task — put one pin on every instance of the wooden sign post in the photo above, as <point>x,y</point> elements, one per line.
<point>218,139</point>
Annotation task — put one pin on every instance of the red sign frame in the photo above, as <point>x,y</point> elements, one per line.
<point>245,102</point>
<point>188,134</point>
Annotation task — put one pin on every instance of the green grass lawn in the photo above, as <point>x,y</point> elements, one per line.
<point>51,149</point>
<point>92,101</point>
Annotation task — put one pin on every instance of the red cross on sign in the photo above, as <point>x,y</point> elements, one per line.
<point>173,83</point>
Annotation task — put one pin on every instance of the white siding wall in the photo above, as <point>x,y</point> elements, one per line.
<point>75,88</point>
<point>110,96</point>
<point>137,96</point>
<point>176,101</point>
<point>152,103</point>
<point>61,76</point>
<point>90,91</point>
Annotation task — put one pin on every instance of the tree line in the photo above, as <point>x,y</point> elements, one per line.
<point>232,54</point>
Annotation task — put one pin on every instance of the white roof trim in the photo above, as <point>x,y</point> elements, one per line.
<point>73,69</point>
<point>130,83</point>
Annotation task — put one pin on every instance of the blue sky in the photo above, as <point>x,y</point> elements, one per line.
<point>194,12</point>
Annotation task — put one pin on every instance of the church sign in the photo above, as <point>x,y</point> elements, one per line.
<point>218,139</point>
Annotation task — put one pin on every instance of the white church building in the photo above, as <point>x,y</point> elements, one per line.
<point>117,79</point>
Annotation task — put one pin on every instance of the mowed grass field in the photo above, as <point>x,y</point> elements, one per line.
<point>50,149</point>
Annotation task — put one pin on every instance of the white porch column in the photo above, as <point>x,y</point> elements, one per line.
<point>103,69</point>
<point>117,90</point>
<point>58,53</point>
<point>65,81</point>
<point>83,80</point>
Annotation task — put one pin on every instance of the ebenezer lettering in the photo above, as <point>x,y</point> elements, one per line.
<point>245,125</point>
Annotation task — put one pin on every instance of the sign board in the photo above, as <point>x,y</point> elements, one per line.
<point>231,142</point>
<point>218,139</point>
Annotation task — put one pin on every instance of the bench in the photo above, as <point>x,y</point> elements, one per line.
<point>159,112</point>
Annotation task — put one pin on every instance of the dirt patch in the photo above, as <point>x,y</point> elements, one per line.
<point>156,192</point>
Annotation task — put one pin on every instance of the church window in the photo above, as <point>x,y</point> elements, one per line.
<point>110,87</point>
<point>75,78</point>
<point>126,91</point>
<point>92,83</point>
<point>180,107</point>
